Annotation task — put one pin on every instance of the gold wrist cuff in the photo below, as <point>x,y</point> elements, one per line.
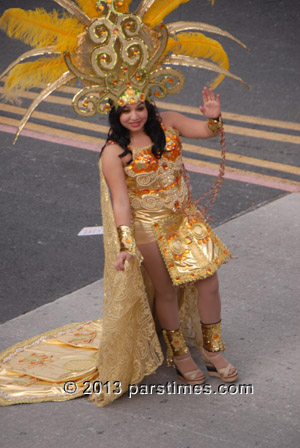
<point>176,345</point>
<point>212,338</point>
<point>126,239</point>
<point>215,124</point>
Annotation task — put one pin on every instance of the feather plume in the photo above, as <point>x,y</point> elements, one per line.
<point>28,75</point>
<point>199,46</point>
<point>89,8</point>
<point>40,29</point>
<point>159,10</point>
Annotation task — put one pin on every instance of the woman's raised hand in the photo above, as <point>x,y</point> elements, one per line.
<point>211,105</point>
<point>122,257</point>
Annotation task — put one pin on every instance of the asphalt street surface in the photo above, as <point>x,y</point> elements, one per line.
<point>49,187</point>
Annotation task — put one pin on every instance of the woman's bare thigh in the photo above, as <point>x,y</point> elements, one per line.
<point>156,268</point>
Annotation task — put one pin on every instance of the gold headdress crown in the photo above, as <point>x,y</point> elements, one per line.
<point>119,56</point>
<point>125,61</point>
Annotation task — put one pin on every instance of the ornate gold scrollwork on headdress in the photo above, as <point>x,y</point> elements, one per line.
<point>124,65</point>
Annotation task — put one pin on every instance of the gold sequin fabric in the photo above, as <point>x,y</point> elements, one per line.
<point>158,194</point>
<point>212,337</point>
<point>155,186</point>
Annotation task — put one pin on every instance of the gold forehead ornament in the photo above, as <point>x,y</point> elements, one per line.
<point>120,57</point>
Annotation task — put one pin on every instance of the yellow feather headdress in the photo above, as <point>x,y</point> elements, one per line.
<point>112,51</point>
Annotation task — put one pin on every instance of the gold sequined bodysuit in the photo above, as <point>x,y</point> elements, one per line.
<point>158,195</point>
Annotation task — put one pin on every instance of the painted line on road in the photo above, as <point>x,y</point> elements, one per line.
<point>186,146</point>
<point>61,140</point>
<point>251,119</point>
<point>87,142</point>
<point>230,129</point>
<point>237,170</point>
<point>243,159</point>
<point>246,177</point>
<point>266,135</point>
<point>234,117</point>
<point>53,118</point>
<point>90,231</point>
<point>36,131</point>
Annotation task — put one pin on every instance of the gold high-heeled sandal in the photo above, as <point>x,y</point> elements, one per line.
<point>176,346</point>
<point>213,342</point>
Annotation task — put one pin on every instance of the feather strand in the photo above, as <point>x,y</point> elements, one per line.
<point>39,28</point>
<point>198,45</point>
<point>29,75</point>
<point>64,79</point>
<point>26,55</point>
<point>189,61</point>
<point>89,8</point>
<point>73,9</point>
<point>159,10</point>
<point>178,27</point>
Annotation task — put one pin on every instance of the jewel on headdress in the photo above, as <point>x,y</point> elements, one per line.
<point>131,96</point>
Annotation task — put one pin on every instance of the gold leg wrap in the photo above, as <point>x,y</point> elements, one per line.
<point>212,338</point>
<point>176,345</point>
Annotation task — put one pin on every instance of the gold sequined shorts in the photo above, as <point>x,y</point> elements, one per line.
<point>143,233</point>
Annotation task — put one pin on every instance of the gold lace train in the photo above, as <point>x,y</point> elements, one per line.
<point>121,347</point>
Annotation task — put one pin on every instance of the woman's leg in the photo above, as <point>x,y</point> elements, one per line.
<point>209,302</point>
<point>166,304</point>
<point>165,294</point>
<point>209,307</point>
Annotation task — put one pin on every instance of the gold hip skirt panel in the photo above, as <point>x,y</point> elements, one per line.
<point>190,248</point>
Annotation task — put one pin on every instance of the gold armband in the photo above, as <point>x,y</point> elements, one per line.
<point>126,239</point>
<point>215,124</point>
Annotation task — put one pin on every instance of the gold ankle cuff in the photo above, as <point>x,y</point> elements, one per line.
<point>212,338</point>
<point>176,345</point>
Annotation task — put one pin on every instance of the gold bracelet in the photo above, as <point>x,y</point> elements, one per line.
<point>126,239</point>
<point>215,124</point>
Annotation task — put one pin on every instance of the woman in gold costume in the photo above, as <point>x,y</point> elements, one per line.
<point>161,256</point>
<point>149,193</point>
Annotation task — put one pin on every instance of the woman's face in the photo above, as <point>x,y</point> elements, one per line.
<point>134,116</point>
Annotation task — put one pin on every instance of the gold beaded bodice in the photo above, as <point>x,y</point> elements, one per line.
<point>156,186</point>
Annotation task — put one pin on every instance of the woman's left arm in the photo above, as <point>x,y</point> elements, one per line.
<point>191,128</point>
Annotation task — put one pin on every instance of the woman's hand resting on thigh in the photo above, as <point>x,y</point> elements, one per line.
<point>119,264</point>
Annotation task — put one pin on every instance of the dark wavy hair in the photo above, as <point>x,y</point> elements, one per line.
<point>152,128</point>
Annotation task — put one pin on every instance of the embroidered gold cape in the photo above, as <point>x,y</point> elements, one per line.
<point>117,350</point>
